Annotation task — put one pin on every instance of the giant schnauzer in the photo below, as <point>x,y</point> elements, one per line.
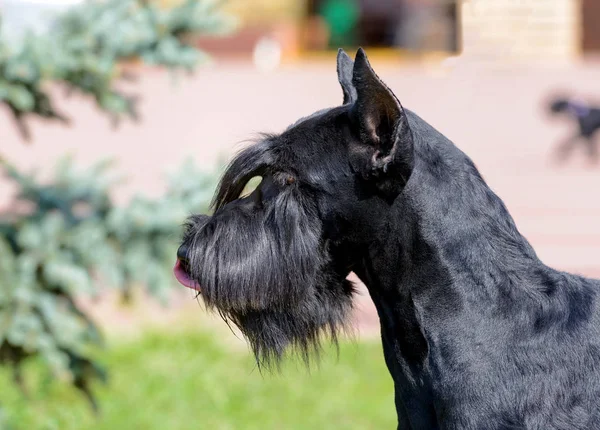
<point>587,119</point>
<point>477,332</point>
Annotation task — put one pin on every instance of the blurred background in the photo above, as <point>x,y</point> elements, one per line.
<point>116,118</point>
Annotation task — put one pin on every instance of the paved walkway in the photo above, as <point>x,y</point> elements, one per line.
<point>496,116</point>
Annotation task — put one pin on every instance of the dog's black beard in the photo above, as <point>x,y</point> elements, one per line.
<point>270,274</point>
<point>298,329</point>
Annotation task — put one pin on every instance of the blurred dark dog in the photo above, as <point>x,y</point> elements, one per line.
<point>587,119</point>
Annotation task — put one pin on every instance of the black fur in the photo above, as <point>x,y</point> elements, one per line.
<point>477,332</point>
<point>587,120</point>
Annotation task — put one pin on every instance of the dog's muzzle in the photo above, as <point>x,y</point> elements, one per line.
<point>182,269</point>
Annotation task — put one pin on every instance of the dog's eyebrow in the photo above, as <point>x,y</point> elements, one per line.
<point>248,163</point>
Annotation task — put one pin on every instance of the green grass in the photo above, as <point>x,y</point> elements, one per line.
<point>190,381</point>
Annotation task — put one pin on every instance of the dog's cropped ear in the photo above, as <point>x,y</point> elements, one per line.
<point>345,67</point>
<point>382,124</point>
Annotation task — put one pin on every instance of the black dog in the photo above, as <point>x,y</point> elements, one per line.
<point>587,119</point>
<point>477,332</point>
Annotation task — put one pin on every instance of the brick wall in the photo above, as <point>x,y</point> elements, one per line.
<point>521,29</point>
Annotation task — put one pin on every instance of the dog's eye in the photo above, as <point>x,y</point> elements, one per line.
<point>290,180</point>
<point>251,186</point>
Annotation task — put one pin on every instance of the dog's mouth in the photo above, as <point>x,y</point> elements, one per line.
<point>181,272</point>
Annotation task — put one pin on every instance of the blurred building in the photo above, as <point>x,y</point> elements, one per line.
<point>503,29</point>
<point>312,26</point>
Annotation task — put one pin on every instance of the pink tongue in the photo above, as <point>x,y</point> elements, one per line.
<point>183,277</point>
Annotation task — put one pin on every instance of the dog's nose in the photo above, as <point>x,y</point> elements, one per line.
<point>182,252</point>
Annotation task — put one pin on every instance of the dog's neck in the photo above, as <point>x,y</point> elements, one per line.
<point>447,227</point>
<point>454,252</point>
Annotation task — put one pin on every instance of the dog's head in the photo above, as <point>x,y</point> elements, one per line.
<point>275,262</point>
